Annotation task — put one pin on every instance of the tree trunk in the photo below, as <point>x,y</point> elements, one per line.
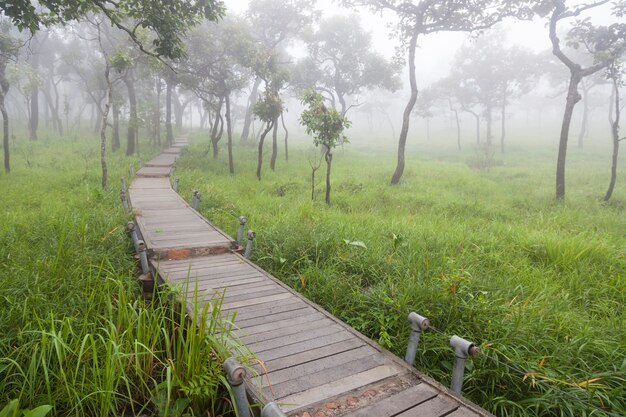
<point>395,179</point>
<point>5,133</point>
<point>585,119</point>
<point>179,110</point>
<point>247,121</point>
<point>329,160</point>
<point>229,134</point>
<point>573,97</point>
<point>168,113</point>
<point>34,97</point>
<point>458,129</point>
<point>218,127</point>
<point>274,145</point>
<point>282,120</point>
<point>103,130</point>
<point>131,132</point>
<point>115,131</point>
<point>615,107</point>
<point>503,126</point>
<point>260,150</point>
<point>488,120</point>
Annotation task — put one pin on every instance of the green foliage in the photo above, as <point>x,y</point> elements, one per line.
<point>326,125</point>
<point>75,333</point>
<point>483,254</point>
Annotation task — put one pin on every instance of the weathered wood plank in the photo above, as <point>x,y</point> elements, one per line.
<point>286,351</point>
<point>254,321</point>
<point>270,308</point>
<point>277,324</point>
<point>337,387</point>
<point>260,300</point>
<point>435,407</point>
<point>260,347</point>
<point>397,403</point>
<point>463,412</point>
<point>284,331</point>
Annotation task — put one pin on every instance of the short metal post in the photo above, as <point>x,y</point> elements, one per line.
<point>251,236</point>
<point>140,163</point>
<point>462,349</point>
<point>133,234</point>
<point>124,200</point>
<point>242,224</point>
<point>143,257</point>
<point>123,180</point>
<point>196,200</point>
<point>272,410</point>
<point>418,324</point>
<point>131,171</point>
<point>235,374</point>
<point>176,184</point>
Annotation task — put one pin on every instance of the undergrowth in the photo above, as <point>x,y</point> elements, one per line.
<point>485,254</point>
<point>76,336</point>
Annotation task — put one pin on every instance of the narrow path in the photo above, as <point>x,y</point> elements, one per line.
<point>313,364</point>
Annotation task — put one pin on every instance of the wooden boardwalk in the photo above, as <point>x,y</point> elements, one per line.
<point>313,364</point>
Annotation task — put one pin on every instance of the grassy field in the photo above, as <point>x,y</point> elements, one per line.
<point>485,254</point>
<point>76,336</point>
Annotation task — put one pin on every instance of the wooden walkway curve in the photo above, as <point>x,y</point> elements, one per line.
<point>314,365</point>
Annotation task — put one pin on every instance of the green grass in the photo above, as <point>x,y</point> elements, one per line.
<point>75,331</point>
<point>488,255</point>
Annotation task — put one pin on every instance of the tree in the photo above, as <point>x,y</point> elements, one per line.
<point>169,20</point>
<point>615,74</point>
<point>603,43</point>
<point>326,126</point>
<point>341,53</point>
<point>430,16</point>
<point>9,47</point>
<point>274,24</point>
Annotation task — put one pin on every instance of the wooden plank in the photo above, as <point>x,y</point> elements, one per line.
<point>463,412</point>
<point>154,172</point>
<point>277,324</point>
<point>302,311</point>
<point>283,352</point>
<point>307,369</point>
<point>270,308</point>
<point>435,407</point>
<point>398,403</point>
<point>285,331</point>
<point>337,387</point>
<point>312,354</point>
<point>260,300</point>
<point>260,347</point>
<point>326,376</point>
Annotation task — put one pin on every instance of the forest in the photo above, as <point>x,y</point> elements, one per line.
<point>458,159</point>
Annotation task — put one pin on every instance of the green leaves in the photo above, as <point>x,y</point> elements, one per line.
<point>326,125</point>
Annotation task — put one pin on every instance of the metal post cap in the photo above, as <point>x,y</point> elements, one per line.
<point>141,245</point>
<point>272,410</point>
<point>242,220</point>
<point>130,226</point>
<point>463,348</point>
<point>234,371</point>
<point>251,234</point>
<point>418,322</point>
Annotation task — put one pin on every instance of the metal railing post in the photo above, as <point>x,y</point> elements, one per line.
<point>143,257</point>
<point>462,350</point>
<point>196,200</point>
<point>251,236</point>
<point>131,171</point>
<point>133,235</point>
<point>235,374</point>
<point>272,410</point>
<point>124,199</point>
<point>418,324</point>
<point>242,224</point>
<point>123,181</point>
<point>176,184</point>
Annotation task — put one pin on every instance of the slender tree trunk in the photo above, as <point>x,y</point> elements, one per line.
<point>103,130</point>
<point>573,97</point>
<point>131,132</point>
<point>5,130</point>
<point>179,110</point>
<point>503,126</point>
<point>342,104</point>
<point>395,179</point>
<point>488,120</point>
<point>34,97</point>
<point>274,145</point>
<point>229,133</point>
<point>218,127</point>
<point>115,131</point>
<point>329,160</point>
<point>614,110</point>
<point>168,113</point>
<point>585,118</point>
<point>247,121</point>
<point>259,165</point>
<point>282,120</point>
<point>458,129</point>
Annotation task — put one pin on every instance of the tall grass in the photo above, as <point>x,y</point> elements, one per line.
<point>75,332</point>
<point>487,255</point>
